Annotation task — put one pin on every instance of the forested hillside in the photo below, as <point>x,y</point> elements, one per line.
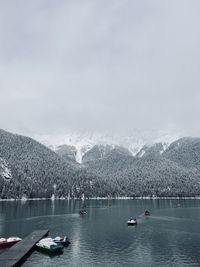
<point>28,168</point>
<point>31,169</point>
<point>66,152</point>
<point>102,151</point>
<point>153,171</point>
<point>185,152</point>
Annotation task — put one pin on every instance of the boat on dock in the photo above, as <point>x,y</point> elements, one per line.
<point>17,254</point>
<point>47,245</point>
<point>9,242</point>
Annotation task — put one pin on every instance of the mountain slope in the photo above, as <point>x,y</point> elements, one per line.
<point>66,152</point>
<point>102,151</point>
<point>155,175</point>
<point>155,149</point>
<point>152,174</point>
<point>29,168</point>
<point>34,169</point>
<point>185,152</point>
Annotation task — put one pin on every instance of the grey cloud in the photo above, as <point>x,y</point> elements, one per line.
<point>99,65</point>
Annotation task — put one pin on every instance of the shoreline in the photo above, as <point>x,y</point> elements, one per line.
<point>99,198</point>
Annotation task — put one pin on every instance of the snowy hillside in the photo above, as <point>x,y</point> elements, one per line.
<point>84,142</point>
<point>5,171</point>
<point>106,170</point>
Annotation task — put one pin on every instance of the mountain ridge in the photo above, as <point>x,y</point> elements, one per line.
<point>29,168</point>
<point>84,142</point>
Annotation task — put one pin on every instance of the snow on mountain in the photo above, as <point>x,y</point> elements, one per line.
<point>141,153</point>
<point>153,149</point>
<point>83,142</point>
<point>5,171</point>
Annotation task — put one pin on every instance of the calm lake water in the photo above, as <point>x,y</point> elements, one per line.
<point>170,237</point>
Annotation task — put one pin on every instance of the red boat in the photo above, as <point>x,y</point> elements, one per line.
<point>6,243</point>
<point>147,213</point>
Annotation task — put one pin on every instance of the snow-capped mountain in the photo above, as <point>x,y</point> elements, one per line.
<point>84,142</point>
<point>28,167</point>
<point>156,148</point>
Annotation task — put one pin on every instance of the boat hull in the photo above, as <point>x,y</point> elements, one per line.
<point>82,212</point>
<point>131,223</point>
<point>64,243</point>
<point>8,244</point>
<point>57,250</point>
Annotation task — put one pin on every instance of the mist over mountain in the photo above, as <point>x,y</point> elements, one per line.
<point>29,168</point>
<point>84,142</point>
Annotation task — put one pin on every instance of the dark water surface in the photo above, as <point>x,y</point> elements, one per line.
<point>170,237</point>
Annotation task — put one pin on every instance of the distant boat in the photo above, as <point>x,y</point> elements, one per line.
<point>82,212</point>
<point>6,243</point>
<point>132,222</point>
<point>49,246</point>
<point>62,240</point>
<point>147,213</point>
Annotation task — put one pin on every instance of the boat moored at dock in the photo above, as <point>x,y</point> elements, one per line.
<point>47,245</point>
<point>9,242</point>
<point>62,240</point>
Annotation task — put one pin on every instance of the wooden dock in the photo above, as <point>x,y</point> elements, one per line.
<point>17,254</point>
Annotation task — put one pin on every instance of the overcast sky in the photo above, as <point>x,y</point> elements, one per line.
<point>99,65</point>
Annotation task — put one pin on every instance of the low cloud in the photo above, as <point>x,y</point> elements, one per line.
<point>107,66</point>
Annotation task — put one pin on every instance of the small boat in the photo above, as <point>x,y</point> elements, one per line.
<point>132,222</point>
<point>82,212</point>
<point>61,240</point>
<point>147,213</point>
<point>49,246</point>
<point>6,243</point>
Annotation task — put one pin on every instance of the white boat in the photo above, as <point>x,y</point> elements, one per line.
<point>49,246</point>
<point>132,222</point>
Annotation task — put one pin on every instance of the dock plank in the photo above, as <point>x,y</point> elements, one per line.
<point>17,254</point>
